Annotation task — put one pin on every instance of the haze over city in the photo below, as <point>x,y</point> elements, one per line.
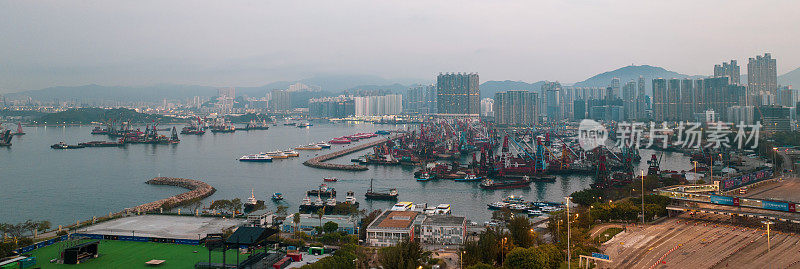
<point>251,43</point>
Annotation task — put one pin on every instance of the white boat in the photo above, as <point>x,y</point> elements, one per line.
<point>331,201</point>
<point>256,158</point>
<point>277,155</point>
<point>532,212</point>
<point>324,145</point>
<point>291,153</point>
<point>350,198</point>
<point>306,201</point>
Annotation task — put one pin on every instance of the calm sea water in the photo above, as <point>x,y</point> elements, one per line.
<point>63,186</point>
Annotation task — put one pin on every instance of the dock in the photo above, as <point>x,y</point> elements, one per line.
<point>319,162</point>
<point>197,190</point>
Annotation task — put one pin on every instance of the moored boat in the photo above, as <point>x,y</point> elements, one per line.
<point>309,147</point>
<point>291,153</point>
<point>374,195</point>
<point>492,184</point>
<point>261,157</point>
<point>278,196</point>
<point>62,145</point>
<point>330,179</point>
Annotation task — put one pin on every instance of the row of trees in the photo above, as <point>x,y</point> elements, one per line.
<point>18,231</point>
<point>232,206</point>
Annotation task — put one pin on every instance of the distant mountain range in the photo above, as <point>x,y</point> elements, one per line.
<point>791,78</point>
<point>489,88</point>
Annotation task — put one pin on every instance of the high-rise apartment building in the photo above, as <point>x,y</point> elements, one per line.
<point>762,79</point>
<point>615,88</point>
<point>516,108</point>
<point>660,102</point>
<point>280,101</point>
<point>487,107</point>
<point>730,70</point>
<point>629,100</point>
<point>673,99</point>
<point>686,106</point>
<point>552,100</point>
<point>458,94</point>
<point>378,105</point>
<point>641,104</point>
<point>420,99</point>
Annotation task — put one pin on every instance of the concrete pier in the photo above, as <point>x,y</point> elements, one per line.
<point>319,162</point>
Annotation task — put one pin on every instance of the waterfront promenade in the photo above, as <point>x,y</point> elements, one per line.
<point>319,162</point>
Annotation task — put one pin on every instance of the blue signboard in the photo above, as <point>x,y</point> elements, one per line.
<point>600,256</point>
<point>775,205</point>
<point>721,200</point>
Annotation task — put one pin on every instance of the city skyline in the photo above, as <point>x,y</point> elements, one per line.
<point>149,43</point>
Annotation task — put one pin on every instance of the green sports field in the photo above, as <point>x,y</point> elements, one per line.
<point>126,254</point>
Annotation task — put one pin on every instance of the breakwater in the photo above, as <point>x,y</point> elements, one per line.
<point>319,161</point>
<point>197,190</point>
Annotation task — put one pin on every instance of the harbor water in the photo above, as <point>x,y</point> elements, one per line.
<point>63,186</point>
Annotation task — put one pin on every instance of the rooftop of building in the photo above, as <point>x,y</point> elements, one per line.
<point>444,220</point>
<point>395,219</point>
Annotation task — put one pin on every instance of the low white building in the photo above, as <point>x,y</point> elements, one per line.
<point>392,227</point>
<point>443,230</point>
<point>260,218</point>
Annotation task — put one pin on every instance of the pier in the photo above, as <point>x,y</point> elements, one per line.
<point>197,190</point>
<point>319,162</point>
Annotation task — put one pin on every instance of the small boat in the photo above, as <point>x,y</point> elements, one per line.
<point>324,145</point>
<point>261,157</point>
<point>382,132</point>
<point>322,191</point>
<point>340,140</point>
<point>291,153</point>
<point>492,184</point>
<point>532,212</point>
<point>468,177</point>
<point>330,179</point>
<point>252,203</point>
<point>511,199</point>
<point>372,194</point>
<point>350,198</point>
<point>497,205</point>
<point>277,155</point>
<point>309,147</point>
<point>302,125</point>
<point>330,201</point>
<point>62,145</point>
<point>425,177</point>
<point>19,129</point>
<point>279,196</point>
<point>100,144</point>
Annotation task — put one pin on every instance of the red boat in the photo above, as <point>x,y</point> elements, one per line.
<point>330,179</point>
<point>340,140</point>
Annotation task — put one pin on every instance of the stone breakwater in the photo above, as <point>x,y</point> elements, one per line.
<point>197,190</point>
<point>319,162</point>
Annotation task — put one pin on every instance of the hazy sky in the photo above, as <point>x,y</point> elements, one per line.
<point>249,43</point>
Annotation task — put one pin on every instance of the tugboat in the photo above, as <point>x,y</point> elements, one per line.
<point>261,157</point>
<point>491,184</point>
<point>62,145</point>
<point>322,191</point>
<point>330,179</point>
<point>278,196</point>
<point>373,195</point>
<point>252,203</point>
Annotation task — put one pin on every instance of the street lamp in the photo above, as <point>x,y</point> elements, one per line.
<point>774,157</point>
<point>642,197</point>
<point>569,254</point>
<point>768,223</point>
<point>695,166</point>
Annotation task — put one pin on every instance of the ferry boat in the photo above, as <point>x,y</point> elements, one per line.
<point>278,196</point>
<point>372,194</point>
<point>277,155</point>
<point>291,153</point>
<point>324,145</point>
<point>62,145</point>
<point>309,147</point>
<point>330,179</point>
<point>492,184</point>
<point>261,157</point>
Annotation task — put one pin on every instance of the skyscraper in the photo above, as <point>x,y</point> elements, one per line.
<point>660,99</point>
<point>762,79</point>
<point>687,101</point>
<point>641,105</point>
<point>615,90</point>
<point>420,99</point>
<point>552,102</point>
<point>458,94</point>
<point>280,101</point>
<point>516,108</point>
<point>730,70</point>
<point>629,100</point>
<point>673,99</point>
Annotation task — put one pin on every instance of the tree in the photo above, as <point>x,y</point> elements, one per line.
<point>320,213</point>
<point>522,232</point>
<point>504,214</point>
<point>196,205</point>
<point>407,254</point>
<point>281,211</point>
<point>221,204</point>
<point>480,266</point>
<point>236,206</point>
<point>330,227</point>
<point>43,225</point>
<point>296,221</point>
<point>365,221</point>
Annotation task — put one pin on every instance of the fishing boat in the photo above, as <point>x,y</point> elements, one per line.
<point>277,155</point>
<point>256,125</point>
<point>425,177</point>
<point>194,128</point>
<point>62,145</point>
<point>19,129</point>
<point>278,196</point>
<point>374,195</point>
<point>291,153</point>
<point>492,184</point>
<point>322,191</point>
<point>330,179</point>
<point>261,157</point>
<point>309,147</point>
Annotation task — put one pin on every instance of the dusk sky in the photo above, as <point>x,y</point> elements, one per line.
<point>251,43</point>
